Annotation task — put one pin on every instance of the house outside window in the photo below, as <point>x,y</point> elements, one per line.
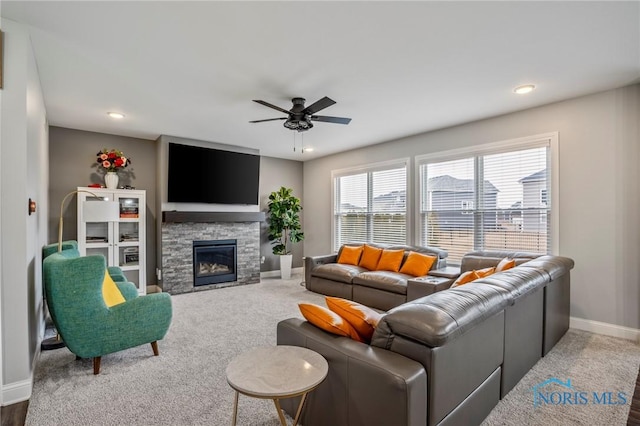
<point>495,197</point>
<point>370,204</point>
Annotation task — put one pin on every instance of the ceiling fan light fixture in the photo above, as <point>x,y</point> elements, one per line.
<point>522,90</point>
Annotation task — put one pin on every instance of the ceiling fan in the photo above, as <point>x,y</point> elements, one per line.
<point>300,118</point>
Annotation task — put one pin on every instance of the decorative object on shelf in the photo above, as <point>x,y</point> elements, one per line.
<point>111,180</point>
<point>111,161</point>
<point>284,226</point>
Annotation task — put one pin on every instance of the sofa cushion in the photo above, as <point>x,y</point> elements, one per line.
<point>350,255</point>
<point>328,320</point>
<point>361,317</point>
<point>417,264</point>
<point>337,272</point>
<point>370,257</point>
<point>440,317</point>
<point>390,260</point>
<point>394,282</point>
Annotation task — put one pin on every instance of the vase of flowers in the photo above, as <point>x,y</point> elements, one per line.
<point>110,161</point>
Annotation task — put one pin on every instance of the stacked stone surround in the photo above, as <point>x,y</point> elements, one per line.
<point>177,253</point>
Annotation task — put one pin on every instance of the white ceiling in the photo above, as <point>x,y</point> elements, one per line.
<point>191,69</point>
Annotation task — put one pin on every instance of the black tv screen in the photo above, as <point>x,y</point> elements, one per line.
<point>205,175</point>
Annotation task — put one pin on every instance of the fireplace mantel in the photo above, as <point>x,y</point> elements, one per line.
<point>211,217</point>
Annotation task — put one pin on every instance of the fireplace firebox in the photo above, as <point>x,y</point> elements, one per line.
<point>214,262</point>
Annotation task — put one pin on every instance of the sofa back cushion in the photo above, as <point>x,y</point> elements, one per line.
<point>370,257</point>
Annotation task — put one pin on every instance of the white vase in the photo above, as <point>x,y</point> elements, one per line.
<point>111,180</point>
<point>285,266</point>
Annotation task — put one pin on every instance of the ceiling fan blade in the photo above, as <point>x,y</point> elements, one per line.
<point>272,106</point>
<point>326,119</point>
<point>319,105</point>
<point>268,119</point>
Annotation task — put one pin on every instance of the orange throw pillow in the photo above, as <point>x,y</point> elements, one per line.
<point>417,264</point>
<point>370,257</point>
<point>361,317</point>
<point>505,264</point>
<point>485,272</point>
<point>390,260</point>
<point>327,320</point>
<point>465,278</point>
<point>350,255</point>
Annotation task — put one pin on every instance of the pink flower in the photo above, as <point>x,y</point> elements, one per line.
<point>106,164</point>
<point>104,157</point>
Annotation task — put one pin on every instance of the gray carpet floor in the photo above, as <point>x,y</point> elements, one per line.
<point>186,384</point>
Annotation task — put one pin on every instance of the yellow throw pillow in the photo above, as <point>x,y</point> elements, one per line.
<point>465,278</point>
<point>327,320</point>
<point>505,264</point>
<point>110,291</point>
<point>370,257</point>
<point>417,264</point>
<point>350,255</point>
<point>390,260</point>
<point>361,317</point>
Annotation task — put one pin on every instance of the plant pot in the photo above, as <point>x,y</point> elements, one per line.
<point>111,180</point>
<point>285,266</point>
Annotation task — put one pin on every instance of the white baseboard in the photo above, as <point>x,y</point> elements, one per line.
<point>276,274</point>
<point>598,327</point>
<point>17,392</point>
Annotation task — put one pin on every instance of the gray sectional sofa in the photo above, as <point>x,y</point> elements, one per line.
<point>446,358</point>
<point>376,289</point>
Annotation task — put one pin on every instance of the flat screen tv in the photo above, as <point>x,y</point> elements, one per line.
<point>206,175</point>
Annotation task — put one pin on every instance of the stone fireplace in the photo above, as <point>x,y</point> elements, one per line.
<point>183,234</point>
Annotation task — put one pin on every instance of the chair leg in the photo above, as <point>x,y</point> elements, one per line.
<point>96,365</point>
<point>154,346</point>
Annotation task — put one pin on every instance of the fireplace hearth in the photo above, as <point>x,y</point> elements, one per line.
<point>214,261</point>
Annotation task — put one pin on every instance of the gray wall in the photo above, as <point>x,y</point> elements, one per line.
<point>71,164</point>
<point>81,146</point>
<point>23,175</point>
<point>275,173</point>
<point>599,211</point>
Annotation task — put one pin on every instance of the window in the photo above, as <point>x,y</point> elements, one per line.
<point>370,204</point>
<point>492,198</point>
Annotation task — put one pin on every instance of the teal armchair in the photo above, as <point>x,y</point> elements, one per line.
<point>90,329</point>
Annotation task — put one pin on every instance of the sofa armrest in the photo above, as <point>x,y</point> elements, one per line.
<point>311,262</point>
<point>365,385</point>
<point>424,286</point>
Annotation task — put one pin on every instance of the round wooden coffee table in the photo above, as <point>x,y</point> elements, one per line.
<point>276,372</point>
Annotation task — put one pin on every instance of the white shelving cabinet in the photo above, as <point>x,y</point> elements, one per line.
<point>122,243</point>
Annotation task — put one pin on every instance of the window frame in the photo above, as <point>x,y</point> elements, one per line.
<point>535,141</point>
<point>370,168</point>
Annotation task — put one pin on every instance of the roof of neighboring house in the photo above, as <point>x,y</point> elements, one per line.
<point>446,183</point>
<point>536,177</point>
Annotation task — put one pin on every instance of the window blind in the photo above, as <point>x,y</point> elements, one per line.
<point>370,206</point>
<point>492,201</point>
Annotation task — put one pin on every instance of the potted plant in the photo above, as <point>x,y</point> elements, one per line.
<point>284,226</point>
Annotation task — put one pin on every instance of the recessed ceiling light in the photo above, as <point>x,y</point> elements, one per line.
<point>309,149</point>
<point>527,88</point>
<point>115,115</point>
